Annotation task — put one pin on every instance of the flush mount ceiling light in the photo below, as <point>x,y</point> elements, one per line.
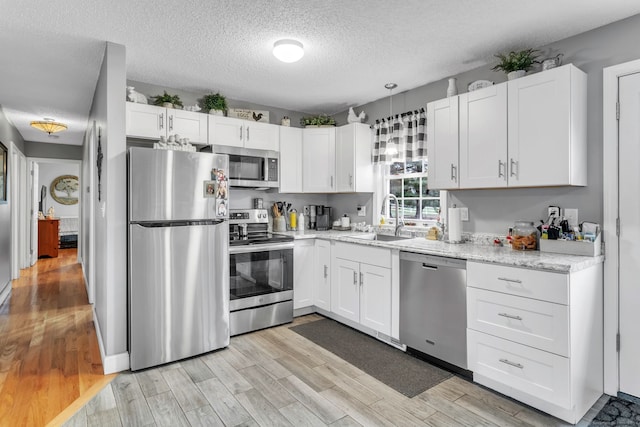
<point>49,126</point>
<point>288,50</point>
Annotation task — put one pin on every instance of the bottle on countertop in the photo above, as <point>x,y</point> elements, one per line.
<point>300,221</point>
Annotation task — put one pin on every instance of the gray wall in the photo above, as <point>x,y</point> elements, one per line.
<point>8,134</point>
<point>494,210</point>
<point>52,151</point>
<point>190,98</point>
<point>47,172</point>
<point>109,259</point>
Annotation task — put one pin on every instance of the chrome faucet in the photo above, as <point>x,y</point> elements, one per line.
<point>399,224</point>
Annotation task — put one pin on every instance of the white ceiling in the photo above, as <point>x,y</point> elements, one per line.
<point>51,51</point>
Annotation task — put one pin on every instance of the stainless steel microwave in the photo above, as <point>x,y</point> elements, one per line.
<point>251,168</point>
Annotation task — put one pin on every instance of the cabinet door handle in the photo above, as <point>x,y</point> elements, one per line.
<point>510,316</point>
<point>500,172</point>
<point>514,171</point>
<point>454,173</point>
<point>247,133</point>
<point>361,279</point>
<point>350,180</point>
<point>161,120</point>
<point>331,181</point>
<point>506,279</point>
<point>355,278</point>
<point>510,363</point>
<point>171,122</point>
<point>325,271</point>
<point>240,133</point>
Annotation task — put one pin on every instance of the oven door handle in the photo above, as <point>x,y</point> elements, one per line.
<point>260,248</point>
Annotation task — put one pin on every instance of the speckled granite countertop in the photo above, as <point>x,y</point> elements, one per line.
<point>473,252</point>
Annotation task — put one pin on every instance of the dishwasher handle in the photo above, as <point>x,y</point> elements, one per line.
<point>430,262</point>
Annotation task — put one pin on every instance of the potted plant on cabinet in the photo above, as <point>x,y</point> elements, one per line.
<point>321,120</point>
<point>215,103</point>
<point>167,101</point>
<point>516,64</point>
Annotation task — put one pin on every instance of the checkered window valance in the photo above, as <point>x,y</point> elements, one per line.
<point>400,138</point>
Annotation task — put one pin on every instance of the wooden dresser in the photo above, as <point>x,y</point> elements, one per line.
<point>48,238</point>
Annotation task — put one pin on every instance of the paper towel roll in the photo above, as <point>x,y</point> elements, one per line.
<point>455,225</point>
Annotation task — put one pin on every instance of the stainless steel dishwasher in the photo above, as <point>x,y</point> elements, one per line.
<point>433,307</point>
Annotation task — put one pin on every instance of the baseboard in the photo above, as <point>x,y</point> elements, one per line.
<point>5,292</point>
<point>112,363</point>
<point>86,284</point>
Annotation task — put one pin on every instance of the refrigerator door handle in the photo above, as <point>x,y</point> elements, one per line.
<point>156,224</point>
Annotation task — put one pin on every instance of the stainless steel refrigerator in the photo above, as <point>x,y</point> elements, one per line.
<point>178,271</point>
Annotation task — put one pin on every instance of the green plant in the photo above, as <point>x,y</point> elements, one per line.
<point>514,61</point>
<point>319,120</point>
<point>161,99</point>
<point>214,101</point>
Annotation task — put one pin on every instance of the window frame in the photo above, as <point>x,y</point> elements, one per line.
<point>388,209</point>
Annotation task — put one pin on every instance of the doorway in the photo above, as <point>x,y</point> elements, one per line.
<point>621,149</point>
<point>55,187</point>
<point>629,238</point>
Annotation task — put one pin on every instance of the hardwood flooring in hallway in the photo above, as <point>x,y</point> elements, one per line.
<point>49,354</point>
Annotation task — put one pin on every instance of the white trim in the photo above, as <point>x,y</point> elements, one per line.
<point>16,162</point>
<point>112,363</point>
<point>610,76</point>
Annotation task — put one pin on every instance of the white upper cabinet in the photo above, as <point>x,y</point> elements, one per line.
<point>354,168</point>
<point>290,160</point>
<point>152,122</point>
<point>319,160</point>
<point>442,143</point>
<point>483,137</point>
<point>234,132</point>
<point>528,132</point>
<point>547,128</point>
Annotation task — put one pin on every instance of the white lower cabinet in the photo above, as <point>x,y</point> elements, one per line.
<point>303,282</point>
<point>361,285</point>
<point>322,288</point>
<point>536,335</point>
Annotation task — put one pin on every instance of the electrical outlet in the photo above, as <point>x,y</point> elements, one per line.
<point>362,210</point>
<point>464,214</point>
<point>571,215</point>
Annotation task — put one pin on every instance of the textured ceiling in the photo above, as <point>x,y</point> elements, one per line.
<point>50,51</point>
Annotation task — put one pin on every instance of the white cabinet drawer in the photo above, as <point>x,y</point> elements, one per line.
<point>362,253</point>
<point>531,322</point>
<point>534,372</point>
<point>542,285</point>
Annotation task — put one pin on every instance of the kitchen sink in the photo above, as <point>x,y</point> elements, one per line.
<point>380,237</point>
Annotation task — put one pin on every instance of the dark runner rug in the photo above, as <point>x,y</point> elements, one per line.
<point>398,370</point>
<point>618,412</point>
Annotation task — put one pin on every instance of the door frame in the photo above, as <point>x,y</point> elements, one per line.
<point>19,209</point>
<point>41,160</point>
<point>610,142</point>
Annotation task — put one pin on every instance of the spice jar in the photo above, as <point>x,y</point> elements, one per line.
<point>524,237</point>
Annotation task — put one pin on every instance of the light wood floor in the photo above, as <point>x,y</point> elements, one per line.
<point>49,354</point>
<point>276,377</point>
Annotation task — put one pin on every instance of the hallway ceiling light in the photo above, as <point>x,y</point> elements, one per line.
<point>49,126</point>
<point>288,50</point>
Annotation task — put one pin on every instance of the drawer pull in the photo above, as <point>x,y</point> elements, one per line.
<point>506,279</point>
<point>510,363</point>
<point>510,316</point>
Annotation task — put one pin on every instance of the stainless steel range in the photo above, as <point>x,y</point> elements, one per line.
<point>261,273</point>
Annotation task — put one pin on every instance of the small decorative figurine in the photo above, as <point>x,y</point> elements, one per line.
<point>352,118</point>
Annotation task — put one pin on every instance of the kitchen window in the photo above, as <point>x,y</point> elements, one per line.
<point>417,204</point>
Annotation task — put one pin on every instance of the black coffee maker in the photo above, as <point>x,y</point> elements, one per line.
<point>323,217</point>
